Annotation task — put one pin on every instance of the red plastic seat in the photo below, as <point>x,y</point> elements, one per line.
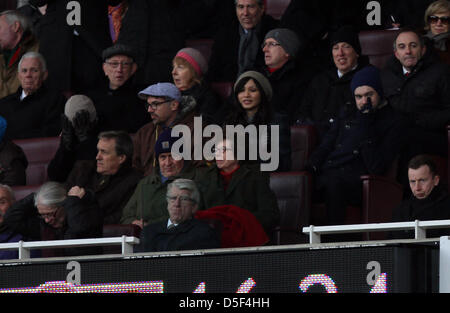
<point>378,45</point>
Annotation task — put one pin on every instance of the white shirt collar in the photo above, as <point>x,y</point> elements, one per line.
<point>23,95</point>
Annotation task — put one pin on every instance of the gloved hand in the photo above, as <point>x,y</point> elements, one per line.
<point>82,125</point>
<point>67,133</point>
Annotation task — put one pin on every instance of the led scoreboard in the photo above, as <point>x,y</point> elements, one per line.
<point>360,269</point>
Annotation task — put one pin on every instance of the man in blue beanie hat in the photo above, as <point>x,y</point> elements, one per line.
<point>365,141</point>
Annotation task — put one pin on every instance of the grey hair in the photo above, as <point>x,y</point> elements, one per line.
<point>34,55</point>
<point>51,194</point>
<point>10,191</point>
<point>185,184</point>
<point>12,16</point>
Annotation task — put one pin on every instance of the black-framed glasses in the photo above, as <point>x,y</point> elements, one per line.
<point>270,44</point>
<point>49,216</point>
<point>116,64</point>
<point>154,104</point>
<point>434,19</point>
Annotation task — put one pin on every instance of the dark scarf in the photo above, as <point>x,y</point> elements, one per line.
<point>248,48</point>
<point>439,41</point>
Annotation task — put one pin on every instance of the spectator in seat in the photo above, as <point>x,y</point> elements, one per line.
<point>287,73</point>
<point>252,106</point>
<point>230,182</point>
<point>13,162</point>
<point>110,176</point>
<point>237,46</point>
<point>16,39</point>
<point>148,203</point>
<point>116,101</point>
<point>437,27</point>
<point>428,200</point>
<point>33,110</point>
<point>167,108</point>
<point>417,84</point>
<point>7,198</point>
<point>52,213</point>
<point>361,142</point>
<point>181,231</point>
<point>329,90</point>
<point>188,69</point>
<point>79,124</point>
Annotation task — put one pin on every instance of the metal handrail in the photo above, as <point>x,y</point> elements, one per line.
<point>419,228</point>
<point>24,247</point>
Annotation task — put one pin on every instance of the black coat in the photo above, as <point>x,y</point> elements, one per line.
<point>112,192</point>
<point>119,109</point>
<point>38,115</point>
<point>326,96</point>
<point>223,63</point>
<point>13,164</point>
<point>424,96</point>
<point>360,144</point>
<point>189,235</point>
<point>435,207</point>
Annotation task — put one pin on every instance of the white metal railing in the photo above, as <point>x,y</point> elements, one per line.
<point>419,228</point>
<point>24,247</point>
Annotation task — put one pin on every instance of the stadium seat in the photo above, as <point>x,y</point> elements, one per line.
<point>39,153</point>
<point>303,140</point>
<point>377,45</point>
<point>21,192</point>
<point>202,45</point>
<point>292,190</point>
<point>276,8</point>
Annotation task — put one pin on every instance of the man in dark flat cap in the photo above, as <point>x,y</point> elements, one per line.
<point>116,100</point>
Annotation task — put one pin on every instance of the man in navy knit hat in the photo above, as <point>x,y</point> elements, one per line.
<point>362,142</point>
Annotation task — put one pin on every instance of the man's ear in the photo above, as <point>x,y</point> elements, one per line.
<point>122,158</point>
<point>174,105</point>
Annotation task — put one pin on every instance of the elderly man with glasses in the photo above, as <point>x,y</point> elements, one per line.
<point>181,231</point>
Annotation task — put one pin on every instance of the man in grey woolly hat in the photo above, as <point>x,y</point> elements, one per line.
<point>285,38</point>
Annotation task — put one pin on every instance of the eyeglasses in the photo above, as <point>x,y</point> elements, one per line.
<point>154,104</point>
<point>434,19</point>
<point>220,149</point>
<point>49,216</point>
<point>184,200</point>
<point>270,44</point>
<point>116,64</point>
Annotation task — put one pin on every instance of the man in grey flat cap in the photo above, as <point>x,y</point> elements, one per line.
<point>284,69</point>
<point>167,108</point>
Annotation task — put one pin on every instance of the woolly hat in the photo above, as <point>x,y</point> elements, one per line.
<point>260,78</point>
<point>165,142</point>
<point>287,38</point>
<point>77,103</point>
<point>166,90</point>
<point>368,76</point>
<point>194,58</point>
<point>346,34</point>
<point>118,49</point>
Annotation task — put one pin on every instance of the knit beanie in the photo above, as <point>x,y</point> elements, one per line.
<point>165,142</point>
<point>260,78</point>
<point>194,58</point>
<point>368,76</point>
<point>287,38</point>
<point>346,34</point>
<point>77,103</point>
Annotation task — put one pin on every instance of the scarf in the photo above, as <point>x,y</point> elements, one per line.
<point>439,41</point>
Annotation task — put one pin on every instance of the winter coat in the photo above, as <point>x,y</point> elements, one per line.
<point>326,96</point>
<point>360,143</point>
<point>423,96</point>
<point>119,109</point>
<point>13,164</point>
<point>190,235</point>
<point>148,201</point>
<point>112,192</point>
<point>209,103</point>
<point>223,63</point>
<point>37,115</point>
<point>249,189</point>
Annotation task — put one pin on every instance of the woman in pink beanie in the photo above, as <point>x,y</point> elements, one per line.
<point>189,67</point>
